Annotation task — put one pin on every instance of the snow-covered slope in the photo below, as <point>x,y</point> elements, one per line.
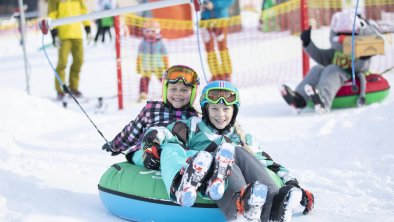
<point>51,158</point>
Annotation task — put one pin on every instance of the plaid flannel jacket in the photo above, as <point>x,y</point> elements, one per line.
<point>155,113</point>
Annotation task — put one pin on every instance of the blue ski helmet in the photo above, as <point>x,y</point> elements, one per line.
<point>182,73</point>
<point>220,92</point>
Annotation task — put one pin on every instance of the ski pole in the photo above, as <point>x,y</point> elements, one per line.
<point>67,91</point>
<point>387,70</point>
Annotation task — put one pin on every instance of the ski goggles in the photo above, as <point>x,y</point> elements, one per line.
<point>228,96</point>
<point>187,75</point>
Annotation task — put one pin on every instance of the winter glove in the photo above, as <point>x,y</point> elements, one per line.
<point>308,201</point>
<point>306,37</point>
<point>293,182</point>
<point>151,156</point>
<point>87,30</point>
<point>110,148</point>
<point>55,39</point>
<point>88,36</point>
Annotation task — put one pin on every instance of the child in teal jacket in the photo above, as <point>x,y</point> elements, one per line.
<point>202,155</point>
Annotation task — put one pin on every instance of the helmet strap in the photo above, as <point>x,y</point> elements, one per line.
<point>165,90</point>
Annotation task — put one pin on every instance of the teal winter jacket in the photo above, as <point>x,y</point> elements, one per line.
<point>184,138</point>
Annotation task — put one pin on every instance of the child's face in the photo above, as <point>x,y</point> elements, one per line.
<point>178,94</point>
<point>220,115</point>
<point>150,32</point>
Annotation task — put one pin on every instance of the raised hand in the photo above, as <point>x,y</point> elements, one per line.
<point>306,37</point>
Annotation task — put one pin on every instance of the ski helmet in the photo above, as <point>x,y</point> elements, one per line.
<point>220,92</point>
<point>187,75</point>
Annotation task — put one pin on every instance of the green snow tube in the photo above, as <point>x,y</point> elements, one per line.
<point>377,89</point>
<point>136,193</point>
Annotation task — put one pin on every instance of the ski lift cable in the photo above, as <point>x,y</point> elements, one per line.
<point>354,86</point>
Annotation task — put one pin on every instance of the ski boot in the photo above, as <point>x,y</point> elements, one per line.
<point>316,99</point>
<point>185,191</point>
<point>292,98</point>
<point>285,202</point>
<point>251,200</point>
<point>224,159</point>
<point>76,93</point>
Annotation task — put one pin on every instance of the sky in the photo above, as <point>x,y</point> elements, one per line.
<point>51,159</point>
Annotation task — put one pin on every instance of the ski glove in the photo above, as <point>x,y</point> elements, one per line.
<point>110,148</point>
<point>88,36</point>
<point>293,182</point>
<point>87,30</point>
<point>151,156</point>
<point>307,200</point>
<point>306,37</point>
<point>55,40</point>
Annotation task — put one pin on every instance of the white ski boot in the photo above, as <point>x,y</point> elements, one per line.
<point>251,200</point>
<point>224,159</point>
<point>186,192</point>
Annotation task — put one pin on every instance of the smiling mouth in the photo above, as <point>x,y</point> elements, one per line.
<point>220,121</point>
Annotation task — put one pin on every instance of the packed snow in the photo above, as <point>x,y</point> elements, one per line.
<point>51,159</point>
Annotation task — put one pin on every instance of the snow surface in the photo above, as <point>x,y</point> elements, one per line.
<point>51,158</point>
